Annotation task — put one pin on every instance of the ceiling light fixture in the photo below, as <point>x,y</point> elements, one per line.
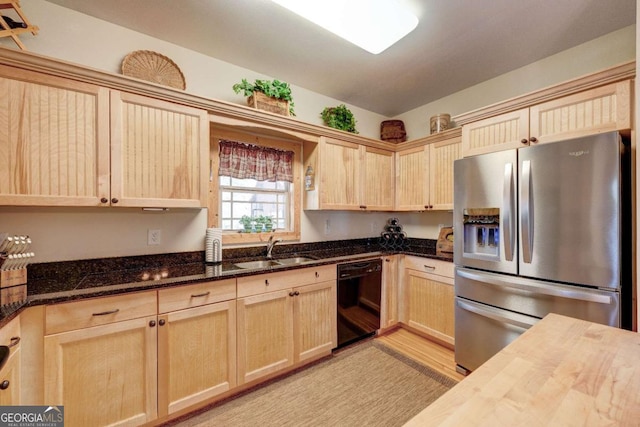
<point>373,25</point>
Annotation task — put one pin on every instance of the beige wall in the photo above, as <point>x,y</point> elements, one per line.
<point>74,233</point>
<point>611,49</point>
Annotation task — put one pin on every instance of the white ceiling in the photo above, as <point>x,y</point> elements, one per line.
<point>458,43</point>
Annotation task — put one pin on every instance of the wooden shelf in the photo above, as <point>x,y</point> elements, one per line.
<point>7,31</point>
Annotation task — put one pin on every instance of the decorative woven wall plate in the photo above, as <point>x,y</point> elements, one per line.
<point>153,67</point>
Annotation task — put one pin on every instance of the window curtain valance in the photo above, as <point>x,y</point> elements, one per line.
<point>247,161</point>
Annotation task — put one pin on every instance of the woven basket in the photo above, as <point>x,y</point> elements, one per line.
<point>266,103</point>
<point>392,131</point>
<point>153,67</point>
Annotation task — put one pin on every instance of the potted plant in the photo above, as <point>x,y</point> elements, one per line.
<point>264,223</point>
<point>269,95</point>
<point>339,117</point>
<point>247,223</point>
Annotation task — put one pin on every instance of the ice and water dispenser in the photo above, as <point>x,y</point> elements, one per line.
<point>482,232</point>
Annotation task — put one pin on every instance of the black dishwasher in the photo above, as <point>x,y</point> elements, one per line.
<point>359,294</point>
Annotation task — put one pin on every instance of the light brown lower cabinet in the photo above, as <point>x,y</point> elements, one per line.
<point>104,375</point>
<point>389,309</point>
<point>10,335</point>
<point>196,355</point>
<point>428,298</point>
<point>278,329</point>
<point>196,343</point>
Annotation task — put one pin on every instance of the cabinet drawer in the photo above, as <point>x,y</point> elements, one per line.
<point>182,297</point>
<point>270,282</point>
<point>428,265</point>
<point>99,311</point>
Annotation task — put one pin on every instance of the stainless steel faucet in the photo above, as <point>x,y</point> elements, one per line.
<point>270,244</point>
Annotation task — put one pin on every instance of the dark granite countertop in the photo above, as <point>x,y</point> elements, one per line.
<point>71,280</point>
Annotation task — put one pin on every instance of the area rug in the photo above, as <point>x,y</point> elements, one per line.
<point>366,385</point>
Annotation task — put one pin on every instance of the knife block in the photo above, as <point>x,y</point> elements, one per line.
<point>13,286</point>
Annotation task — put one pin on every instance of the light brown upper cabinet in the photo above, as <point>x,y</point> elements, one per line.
<point>54,140</point>
<point>67,143</point>
<point>424,175</point>
<point>602,109</point>
<point>349,176</point>
<point>159,153</point>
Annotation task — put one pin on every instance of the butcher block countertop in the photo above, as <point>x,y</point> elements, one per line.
<point>561,372</point>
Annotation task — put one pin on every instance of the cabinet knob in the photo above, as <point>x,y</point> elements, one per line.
<point>4,385</point>
<point>387,260</point>
<point>533,139</point>
<point>152,323</point>
<point>524,141</point>
<point>266,282</point>
<point>114,200</point>
<point>363,206</point>
<point>104,200</point>
<point>426,206</point>
<point>317,274</point>
<point>161,322</point>
<point>291,294</point>
<point>296,293</point>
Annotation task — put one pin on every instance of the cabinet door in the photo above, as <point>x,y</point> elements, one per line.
<point>265,334</point>
<point>430,305</point>
<point>197,355</point>
<point>412,179</point>
<point>104,375</point>
<point>603,109</point>
<point>159,153</point>
<point>10,379</point>
<point>314,314</point>
<point>441,157</point>
<point>54,140</point>
<point>339,171</point>
<point>389,309</point>
<point>502,132</point>
<point>377,183</point>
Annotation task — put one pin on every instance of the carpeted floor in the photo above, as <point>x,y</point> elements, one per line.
<point>365,385</point>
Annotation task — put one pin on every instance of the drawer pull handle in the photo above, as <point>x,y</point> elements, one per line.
<point>4,385</point>
<point>204,294</point>
<point>14,341</point>
<point>266,282</point>
<point>105,313</point>
<point>317,274</point>
<point>429,267</point>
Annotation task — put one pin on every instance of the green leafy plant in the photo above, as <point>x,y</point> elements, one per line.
<point>265,221</point>
<point>272,88</point>
<point>246,221</point>
<point>339,117</point>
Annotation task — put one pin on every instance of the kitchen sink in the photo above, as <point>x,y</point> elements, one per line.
<point>295,260</point>
<point>257,264</point>
<point>266,263</point>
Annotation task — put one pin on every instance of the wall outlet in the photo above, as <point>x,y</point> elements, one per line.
<point>154,237</point>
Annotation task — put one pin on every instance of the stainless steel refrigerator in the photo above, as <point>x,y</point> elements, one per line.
<point>540,229</point>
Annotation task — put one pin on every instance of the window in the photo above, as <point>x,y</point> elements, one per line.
<point>230,198</point>
<point>239,197</point>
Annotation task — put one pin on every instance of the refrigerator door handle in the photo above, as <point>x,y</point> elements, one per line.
<point>538,288</point>
<point>498,315</point>
<point>526,213</point>
<point>507,210</point>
